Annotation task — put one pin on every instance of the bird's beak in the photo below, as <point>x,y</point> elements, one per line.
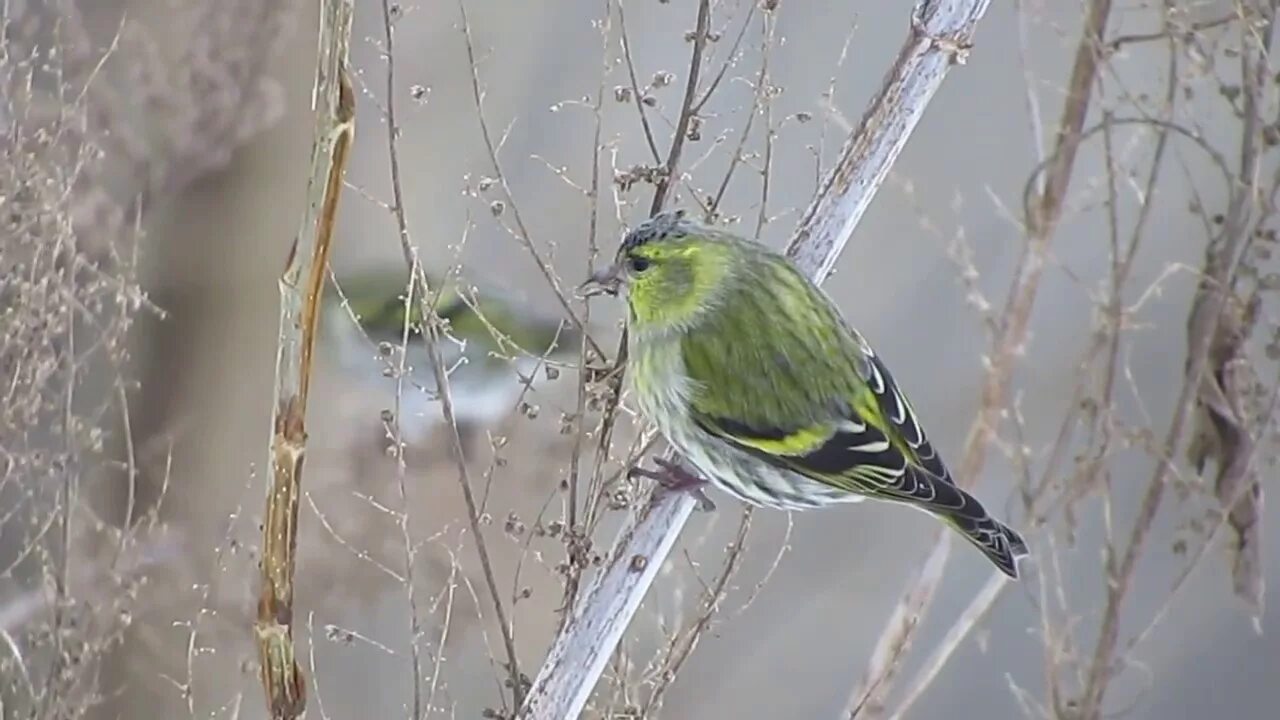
<point>604,281</point>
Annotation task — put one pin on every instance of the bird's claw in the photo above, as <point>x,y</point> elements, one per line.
<point>673,477</point>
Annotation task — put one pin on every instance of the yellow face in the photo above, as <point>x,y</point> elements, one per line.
<point>670,268</point>
<point>666,282</point>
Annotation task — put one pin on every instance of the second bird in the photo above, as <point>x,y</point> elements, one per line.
<point>491,347</point>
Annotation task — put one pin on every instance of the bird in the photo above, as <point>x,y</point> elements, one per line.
<point>491,346</point>
<point>752,374</point>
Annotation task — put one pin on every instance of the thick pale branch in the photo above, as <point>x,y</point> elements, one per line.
<point>939,37</point>
<point>301,286</point>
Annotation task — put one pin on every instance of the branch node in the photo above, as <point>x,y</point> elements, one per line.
<point>956,45</point>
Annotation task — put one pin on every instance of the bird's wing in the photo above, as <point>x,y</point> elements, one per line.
<point>894,408</point>
<point>810,395</point>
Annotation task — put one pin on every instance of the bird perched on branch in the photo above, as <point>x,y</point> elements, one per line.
<point>490,347</point>
<point>752,374</point>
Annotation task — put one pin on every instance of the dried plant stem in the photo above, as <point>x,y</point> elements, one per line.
<point>636,96</point>
<point>1039,499</point>
<point>1042,215</point>
<point>521,231</point>
<point>593,250</point>
<point>1206,316</point>
<point>420,289</point>
<point>301,287</point>
<point>402,229</point>
<point>940,34</point>
<point>686,109</point>
<point>681,645</point>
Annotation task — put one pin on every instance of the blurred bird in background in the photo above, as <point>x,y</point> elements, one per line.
<point>491,346</point>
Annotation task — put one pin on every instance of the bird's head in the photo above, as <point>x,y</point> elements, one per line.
<point>671,268</point>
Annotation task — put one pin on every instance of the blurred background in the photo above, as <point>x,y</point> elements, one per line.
<point>158,157</point>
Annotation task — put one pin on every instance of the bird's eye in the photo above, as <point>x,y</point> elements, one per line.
<point>638,264</point>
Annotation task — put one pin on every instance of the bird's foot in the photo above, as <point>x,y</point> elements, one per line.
<point>674,477</point>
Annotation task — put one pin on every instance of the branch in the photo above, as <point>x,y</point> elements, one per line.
<point>301,287</point>
<point>939,37</point>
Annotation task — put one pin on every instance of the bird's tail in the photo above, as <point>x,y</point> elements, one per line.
<point>942,498</point>
<point>999,542</point>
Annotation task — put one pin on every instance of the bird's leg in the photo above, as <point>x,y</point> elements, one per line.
<point>674,477</point>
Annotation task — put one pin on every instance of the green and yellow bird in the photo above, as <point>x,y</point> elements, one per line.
<point>750,371</point>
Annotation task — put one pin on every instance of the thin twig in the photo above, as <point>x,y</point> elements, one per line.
<point>671,168</point>
<point>593,250</point>
<point>636,96</point>
<point>1122,263</point>
<point>521,232</point>
<point>728,62</point>
<point>686,109</point>
<point>759,97</point>
<point>427,300</point>
<point>402,227</point>
<point>1166,32</point>
<point>770,134</point>
<point>682,645</point>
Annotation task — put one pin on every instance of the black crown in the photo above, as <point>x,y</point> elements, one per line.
<point>658,228</point>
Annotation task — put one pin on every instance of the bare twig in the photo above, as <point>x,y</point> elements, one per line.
<point>682,645</point>
<point>686,108</point>
<point>593,215</point>
<point>729,60</point>
<point>301,287</point>
<point>397,437</point>
<point>937,40</point>
<point>402,228</point>
<point>1203,324</point>
<point>941,35</point>
<point>636,95</point>
<point>434,334</point>
<point>1164,33</point>
<point>760,98</point>
<point>521,230</point>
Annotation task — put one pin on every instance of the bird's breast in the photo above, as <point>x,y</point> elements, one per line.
<point>659,383</point>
